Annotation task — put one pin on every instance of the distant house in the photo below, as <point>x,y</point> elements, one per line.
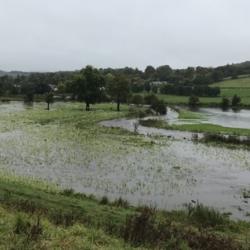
<point>158,83</point>
<point>53,87</point>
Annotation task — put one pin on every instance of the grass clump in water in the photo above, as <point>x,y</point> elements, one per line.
<point>206,216</point>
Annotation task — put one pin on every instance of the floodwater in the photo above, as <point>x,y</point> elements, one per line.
<point>216,116</point>
<point>230,118</point>
<point>170,173</point>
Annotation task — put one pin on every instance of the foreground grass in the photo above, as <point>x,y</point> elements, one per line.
<point>34,216</point>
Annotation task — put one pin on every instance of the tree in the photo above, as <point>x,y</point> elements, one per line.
<point>49,98</point>
<point>236,101</point>
<point>87,85</point>
<point>118,89</point>
<point>149,72</point>
<point>29,97</point>
<point>164,73</point>
<point>225,103</point>
<point>147,86</point>
<point>193,101</point>
<point>159,107</point>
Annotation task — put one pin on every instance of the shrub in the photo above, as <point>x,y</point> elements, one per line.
<point>104,200</point>
<point>193,101</point>
<point>150,99</point>
<point>236,101</point>
<point>68,192</point>
<point>159,107</point>
<point>225,103</point>
<point>30,231</point>
<point>206,216</point>
<point>121,203</point>
<point>137,99</point>
<point>65,218</point>
<point>140,227</point>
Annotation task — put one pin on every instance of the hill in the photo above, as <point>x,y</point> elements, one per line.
<point>240,86</point>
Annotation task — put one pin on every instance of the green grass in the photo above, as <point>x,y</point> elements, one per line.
<point>233,83</point>
<point>70,220</point>
<point>231,87</point>
<point>183,100</point>
<point>197,128</point>
<point>187,114</point>
<point>78,236</point>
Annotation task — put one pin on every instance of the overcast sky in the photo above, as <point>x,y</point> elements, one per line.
<point>48,35</point>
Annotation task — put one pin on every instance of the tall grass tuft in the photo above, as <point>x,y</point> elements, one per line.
<point>206,216</point>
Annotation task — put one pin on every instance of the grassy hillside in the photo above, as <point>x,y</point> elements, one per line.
<point>231,87</point>
<point>36,216</point>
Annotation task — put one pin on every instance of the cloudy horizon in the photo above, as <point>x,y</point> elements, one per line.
<point>45,35</point>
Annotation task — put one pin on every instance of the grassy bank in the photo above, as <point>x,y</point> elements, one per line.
<point>197,128</point>
<point>35,216</point>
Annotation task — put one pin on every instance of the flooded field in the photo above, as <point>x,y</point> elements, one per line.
<point>71,148</point>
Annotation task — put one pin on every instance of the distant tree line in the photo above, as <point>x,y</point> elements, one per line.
<point>171,89</point>
<point>95,85</point>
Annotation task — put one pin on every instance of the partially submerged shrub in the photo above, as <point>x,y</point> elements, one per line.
<point>225,103</point>
<point>193,101</point>
<point>159,107</point>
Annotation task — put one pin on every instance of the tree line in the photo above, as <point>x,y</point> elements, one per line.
<point>94,85</point>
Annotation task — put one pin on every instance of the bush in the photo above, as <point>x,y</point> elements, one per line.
<point>150,99</point>
<point>104,200</point>
<point>31,232</point>
<point>225,103</point>
<point>159,107</point>
<point>65,218</point>
<point>236,101</point>
<point>193,101</point>
<point>137,100</point>
<point>206,216</point>
<point>121,203</point>
<point>140,228</point>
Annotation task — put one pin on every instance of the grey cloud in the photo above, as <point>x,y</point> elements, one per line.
<point>47,35</point>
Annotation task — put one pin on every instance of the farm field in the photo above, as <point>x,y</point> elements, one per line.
<point>240,87</point>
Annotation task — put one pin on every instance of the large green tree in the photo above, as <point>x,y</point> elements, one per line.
<point>87,85</point>
<point>118,89</point>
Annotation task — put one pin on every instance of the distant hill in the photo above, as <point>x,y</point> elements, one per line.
<point>14,73</point>
<point>230,87</point>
